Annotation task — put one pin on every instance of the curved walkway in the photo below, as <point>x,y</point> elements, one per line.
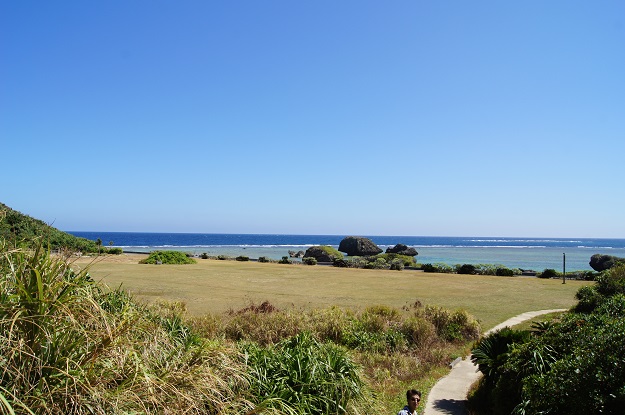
<point>449,395</point>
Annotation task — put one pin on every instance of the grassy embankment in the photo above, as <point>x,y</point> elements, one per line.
<point>217,286</point>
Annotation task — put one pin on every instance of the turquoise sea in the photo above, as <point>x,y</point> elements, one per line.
<point>526,253</point>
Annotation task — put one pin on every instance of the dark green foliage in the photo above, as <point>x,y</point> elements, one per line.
<point>588,299</point>
<point>309,261</point>
<point>204,255</point>
<point>18,228</point>
<point>223,257</point>
<point>285,260</point>
<point>341,263</point>
<point>586,371</point>
<point>263,259</point>
<point>466,269</point>
<point>443,268</point>
<point>242,258</point>
<point>167,257</point>
<point>397,265</point>
<point>612,282</point>
<point>491,352</point>
<point>504,272</point>
<point>549,273</point>
<point>580,361</point>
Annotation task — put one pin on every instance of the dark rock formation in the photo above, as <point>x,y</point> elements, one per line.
<point>402,249</point>
<point>358,246</point>
<point>600,262</point>
<point>320,254</point>
<point>298,254</point>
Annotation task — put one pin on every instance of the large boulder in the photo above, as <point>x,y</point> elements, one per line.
<point>600,262</point>
<point>323,253</point>
<point>402,249</point>
<point>358,246</point>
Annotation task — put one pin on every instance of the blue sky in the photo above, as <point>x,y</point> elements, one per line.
<point>441,118</point>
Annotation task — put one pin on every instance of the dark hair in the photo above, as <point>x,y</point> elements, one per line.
<point>412,392</point>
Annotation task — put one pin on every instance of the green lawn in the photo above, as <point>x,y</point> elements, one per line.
<point>213,286</point>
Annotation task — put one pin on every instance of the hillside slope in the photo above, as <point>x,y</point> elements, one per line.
<point>22,229</point>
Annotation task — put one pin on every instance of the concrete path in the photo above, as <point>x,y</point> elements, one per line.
<point>449,395</point>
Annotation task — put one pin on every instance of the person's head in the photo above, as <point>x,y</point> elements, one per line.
<point>413,397</point>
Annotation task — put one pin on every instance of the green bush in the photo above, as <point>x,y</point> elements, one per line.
<point>285,260</point>
<point>309,261</point>
<point>204,255</point>
<point>167,257</point>
<point>504,272</point>
<point>407,261</point>
<point>305,376</point>
<point>588,299</point>
<point>548,273</point>
<point>376,263</point>
<point>466,269</point>
<point>397,265</point>
<point>242,258</point>
<point>71,346</point>
<point>263,259</point>
<point>223,257</point>
<point>579,360</point>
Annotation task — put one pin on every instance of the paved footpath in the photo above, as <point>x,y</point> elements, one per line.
<point>449,395</point>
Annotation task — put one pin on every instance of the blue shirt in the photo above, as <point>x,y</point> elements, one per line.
<point>406,411</point>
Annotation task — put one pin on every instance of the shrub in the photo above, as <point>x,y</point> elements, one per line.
<point>242,258</point>
<point>167,257</point>
<point>466,269</point>
<point>548,273</point>
<point>341,263</point>
<point>285,260</point>
<point>223,257</point>
<point>306,376</point>
<point>612,281</point>
<point>419,331</point>
<point>504,272</point>
<point>263,259</point>
<point>406,260</point>
<point>309,261</point>
<point>588,299</point>
<point>397,265</point>
<point>204,255</point>
<point>71,346</point>
<point>376,263</point>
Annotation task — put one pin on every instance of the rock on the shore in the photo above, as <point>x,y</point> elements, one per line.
<point>358,246</point>
<point>320,254</point>
<point>402,249</point>
<point>600,262</point>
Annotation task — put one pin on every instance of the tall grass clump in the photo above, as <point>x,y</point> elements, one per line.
<point>70,346</point>
<point>301,375</point>
<point>394,348</point>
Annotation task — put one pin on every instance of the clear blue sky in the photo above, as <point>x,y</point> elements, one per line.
<point>442,118</point>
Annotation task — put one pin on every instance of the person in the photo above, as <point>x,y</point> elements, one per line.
<point>413,397</point>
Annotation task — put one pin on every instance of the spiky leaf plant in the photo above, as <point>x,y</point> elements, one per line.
<point>71,346</point>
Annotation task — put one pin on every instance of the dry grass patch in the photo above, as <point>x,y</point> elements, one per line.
<point>217,286</point>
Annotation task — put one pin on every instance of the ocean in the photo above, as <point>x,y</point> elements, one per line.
<point>526,253</point>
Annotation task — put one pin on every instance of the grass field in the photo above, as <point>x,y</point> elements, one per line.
<point>213,286</point>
